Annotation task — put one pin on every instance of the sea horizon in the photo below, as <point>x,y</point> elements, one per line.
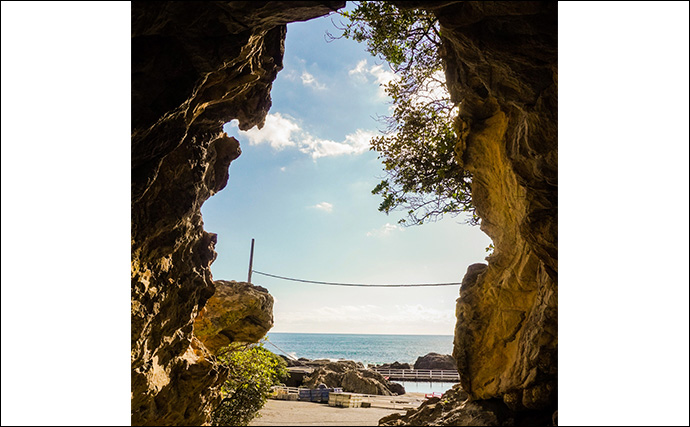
<point>361,333</point>
<point>374,349</point>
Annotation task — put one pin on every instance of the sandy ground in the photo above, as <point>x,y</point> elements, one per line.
<point>296,413</point>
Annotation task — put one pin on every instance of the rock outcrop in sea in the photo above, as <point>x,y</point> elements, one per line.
<point>435,361</point>
<point>394,365</point>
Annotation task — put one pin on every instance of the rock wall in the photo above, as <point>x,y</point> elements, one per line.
<point>501,61</point>
<point>501,67</point>
<point>195,66</point>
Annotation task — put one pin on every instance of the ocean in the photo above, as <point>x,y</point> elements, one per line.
<point>368,349</point>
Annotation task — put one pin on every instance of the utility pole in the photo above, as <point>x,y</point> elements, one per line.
<point>251,261</point>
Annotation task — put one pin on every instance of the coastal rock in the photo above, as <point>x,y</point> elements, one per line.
<point>292,362</point>
<point>455,408</point>
<point>352,378</point>
<point>395,365</point>
<point>237,312</point>
<point>195,66</point>
<point>396,388</point>
<point>436,361</point>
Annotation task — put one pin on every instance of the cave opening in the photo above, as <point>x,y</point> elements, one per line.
<point>302,189</point>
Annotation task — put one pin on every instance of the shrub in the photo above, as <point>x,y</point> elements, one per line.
<point>253,370</point>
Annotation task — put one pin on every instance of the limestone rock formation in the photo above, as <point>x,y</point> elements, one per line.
<point>353,378</point>
<point>237,312</point>
<point>456,409</point>
<point>435,361</point>
<point>195,66</point>
<point>501,68</point>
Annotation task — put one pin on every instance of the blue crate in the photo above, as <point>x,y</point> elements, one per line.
<point>304,394</point>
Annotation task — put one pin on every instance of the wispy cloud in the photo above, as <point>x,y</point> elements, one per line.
<point>309,80</point>
<point>323,206</point>
<point>360,70</point>
<point>282,131</point>
<point>398,317</point>
<point>384,230</point>
<point>363,72</point>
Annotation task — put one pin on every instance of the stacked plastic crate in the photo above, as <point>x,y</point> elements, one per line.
<point>320,395</point>
<point>345,400</point>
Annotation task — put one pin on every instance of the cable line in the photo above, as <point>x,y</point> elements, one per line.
<point>280,349</point>
<point>358,284</point>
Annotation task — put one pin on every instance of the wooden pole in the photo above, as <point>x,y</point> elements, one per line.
<point>251,261</point>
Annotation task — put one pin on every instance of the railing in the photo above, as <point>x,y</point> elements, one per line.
<point>419,374</point>
<point>287,390</point>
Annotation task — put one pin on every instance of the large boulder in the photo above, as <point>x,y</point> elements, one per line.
<point>436,361</point>
<point>237,312</point>
<point>351,377</point>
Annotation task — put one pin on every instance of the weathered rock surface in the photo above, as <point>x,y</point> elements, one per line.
<point>501,68</point>
<point>353,378</point>
<point>455,408</point>
<point>237,312</point>
<point>435,361</point>
<point>195,66</point>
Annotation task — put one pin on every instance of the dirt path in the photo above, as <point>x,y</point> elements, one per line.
<point>296,413</point>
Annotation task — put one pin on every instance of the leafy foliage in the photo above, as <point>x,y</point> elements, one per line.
<point>417,145</point>
<point>253,370</point>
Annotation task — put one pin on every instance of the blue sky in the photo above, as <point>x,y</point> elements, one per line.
<point>302,189</point>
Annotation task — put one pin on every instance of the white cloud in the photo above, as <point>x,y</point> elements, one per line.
<point>310,80</point>
<point>382,76</point>
<point>281,132</point>
<point>354,143</point>
<point>283,169</point>
<point>359,72</point>
<point>323,206</point>
<point>277,132</point>
<point>384,230</point>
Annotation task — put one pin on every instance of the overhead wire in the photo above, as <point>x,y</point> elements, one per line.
<point>362,285</point>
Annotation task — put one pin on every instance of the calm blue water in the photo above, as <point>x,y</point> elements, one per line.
<point>368,349</point>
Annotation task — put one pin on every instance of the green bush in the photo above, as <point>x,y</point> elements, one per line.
<point>253,370</point>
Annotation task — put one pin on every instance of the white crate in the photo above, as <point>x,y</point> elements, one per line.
<point>345,400</point>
